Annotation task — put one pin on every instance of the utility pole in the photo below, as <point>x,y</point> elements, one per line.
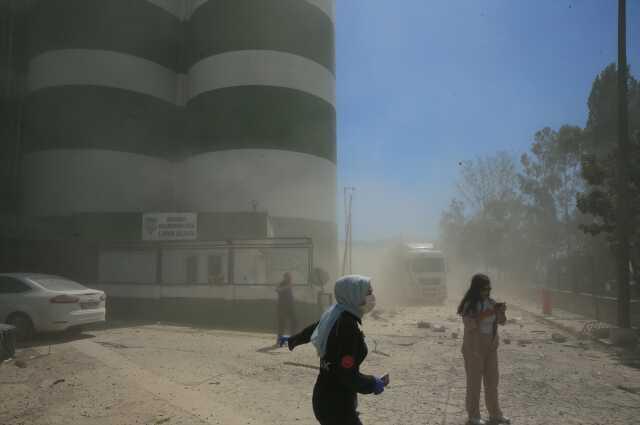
<point>623,211</point>
<point>348,239</point>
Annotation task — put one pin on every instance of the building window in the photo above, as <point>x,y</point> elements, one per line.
<point>192,269</point>
<point>215,272</point>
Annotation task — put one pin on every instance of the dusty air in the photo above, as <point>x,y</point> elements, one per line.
<point>334,212</point>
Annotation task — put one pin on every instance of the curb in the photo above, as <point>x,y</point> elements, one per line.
<point>576,334</point>
<point>603,342</point>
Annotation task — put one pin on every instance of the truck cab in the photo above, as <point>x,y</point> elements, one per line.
<point>425,272</point>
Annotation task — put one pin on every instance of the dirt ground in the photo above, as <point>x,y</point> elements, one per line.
<point>165,374</point>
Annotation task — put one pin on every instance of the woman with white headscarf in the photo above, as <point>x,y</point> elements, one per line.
<point>341,347</point>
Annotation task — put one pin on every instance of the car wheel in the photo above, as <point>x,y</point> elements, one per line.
<point>23,324</point>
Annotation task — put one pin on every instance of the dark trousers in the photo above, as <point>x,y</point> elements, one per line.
<point>334,406</point>
<point>286,313</point>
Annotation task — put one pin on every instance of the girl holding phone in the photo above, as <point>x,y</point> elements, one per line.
<point>481,315</point>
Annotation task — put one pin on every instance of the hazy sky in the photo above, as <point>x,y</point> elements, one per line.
<point>424,84</point>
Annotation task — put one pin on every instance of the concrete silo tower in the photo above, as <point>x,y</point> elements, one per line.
<point>213,107</point>
<point>260,113</point>
<point>102,114</point>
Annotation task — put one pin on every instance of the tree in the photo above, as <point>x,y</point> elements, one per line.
<point>452,223</point>
<point>505,222</point>
<point>487,179</point>
<point>598,199</point>
<point>489,188</point>
<point>550,181</point>
<point>601,131</point>
<point>561,206</point>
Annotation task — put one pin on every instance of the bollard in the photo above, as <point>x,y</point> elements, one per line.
<point>7,342</point>
<point>546,302</point>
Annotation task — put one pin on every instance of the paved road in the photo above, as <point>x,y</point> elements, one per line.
<point>182,375</point>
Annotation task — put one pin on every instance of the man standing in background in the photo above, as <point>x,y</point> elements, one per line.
<point>286,310</point>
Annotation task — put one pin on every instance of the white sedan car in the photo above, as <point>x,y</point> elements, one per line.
<point>42,303</point>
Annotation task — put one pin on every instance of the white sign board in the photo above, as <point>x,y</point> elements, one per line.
<point>169,226</point>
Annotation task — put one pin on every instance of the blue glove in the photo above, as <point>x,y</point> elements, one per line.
<point>378,386</point>
<point>283,340</point>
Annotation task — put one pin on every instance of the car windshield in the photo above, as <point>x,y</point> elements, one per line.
<point>58,284</point>
<point>428,265</point>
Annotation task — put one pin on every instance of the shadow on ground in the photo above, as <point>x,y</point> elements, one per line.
<point>269,349</point>
<point>133,323</point>
<point>628,357</point>
<point>50,339</point>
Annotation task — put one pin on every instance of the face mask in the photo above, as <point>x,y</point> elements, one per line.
<point>369,304</point>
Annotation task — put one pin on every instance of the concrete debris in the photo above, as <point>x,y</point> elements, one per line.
<point>405,344</point>
<point>21,364</point>
<point>439,328</point>
<point>113,345</point>
<point>98,388</point>
<point>424,325</point>
<point>595,330</point>
<point>558,338</point>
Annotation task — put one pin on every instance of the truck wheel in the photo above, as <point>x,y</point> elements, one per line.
<point>23,324</point>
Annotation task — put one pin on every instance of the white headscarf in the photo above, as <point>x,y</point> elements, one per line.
<point>351,292</point>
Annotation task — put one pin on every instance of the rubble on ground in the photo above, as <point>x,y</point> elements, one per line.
<point>558,338</point>
<point>514,320</point>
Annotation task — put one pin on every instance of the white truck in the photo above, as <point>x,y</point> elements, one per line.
<point>420,273</point>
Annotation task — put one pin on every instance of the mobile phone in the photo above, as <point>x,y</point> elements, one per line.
<point>385,379</point>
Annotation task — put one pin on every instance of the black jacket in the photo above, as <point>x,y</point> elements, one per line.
<point>340,380</point>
